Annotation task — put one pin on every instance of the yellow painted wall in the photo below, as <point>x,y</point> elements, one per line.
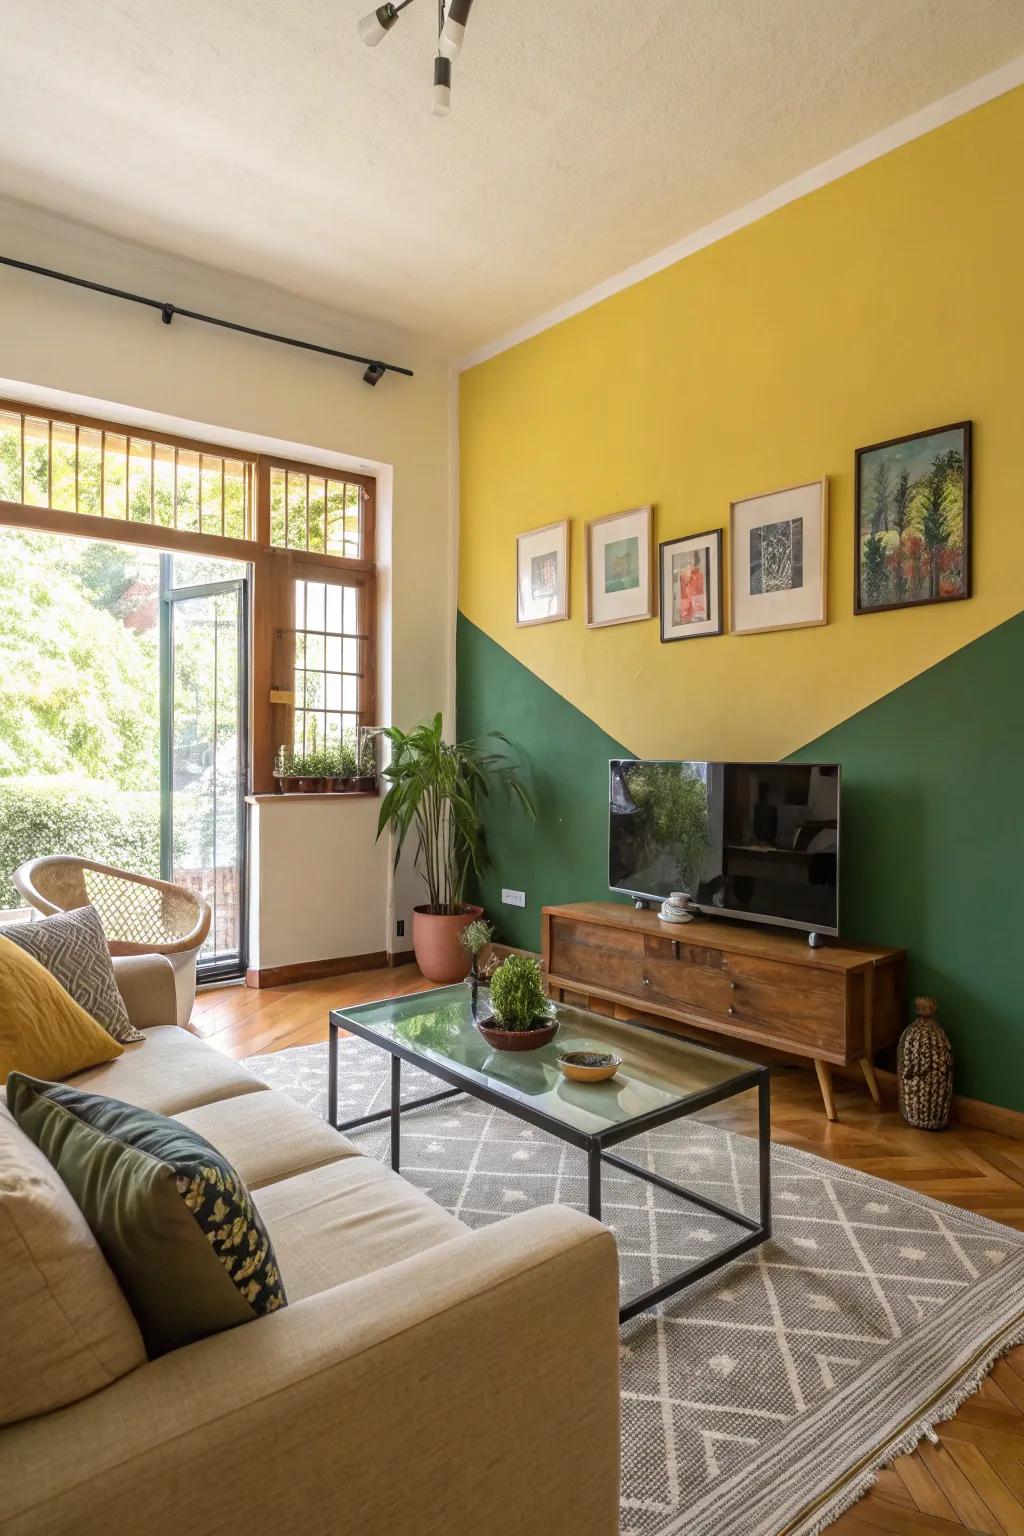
<point>887,302</point>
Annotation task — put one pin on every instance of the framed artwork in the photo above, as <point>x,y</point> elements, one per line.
<point>912,529</point>
<point>779,555</point>
<point>691,586</point>
<point>542,574</point>
<point>620,559</point>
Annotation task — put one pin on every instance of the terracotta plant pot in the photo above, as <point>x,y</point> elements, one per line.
<point>307,786</point>
<point>435,941</point>
<point>517,1039</point>
<point>366,783</point>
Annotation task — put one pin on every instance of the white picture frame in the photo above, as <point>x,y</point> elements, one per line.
<point>620,568</point>
<point>542,575</point>
<point>778,555</point>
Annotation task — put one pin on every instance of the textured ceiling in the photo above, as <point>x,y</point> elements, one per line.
<point>586,134</point>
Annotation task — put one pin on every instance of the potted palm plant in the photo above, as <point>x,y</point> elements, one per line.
<point>436,792</point>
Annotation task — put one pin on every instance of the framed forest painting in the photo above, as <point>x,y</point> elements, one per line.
<point>913,520</point>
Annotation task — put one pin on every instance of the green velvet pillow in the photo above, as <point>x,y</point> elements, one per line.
<point>175,1222</point>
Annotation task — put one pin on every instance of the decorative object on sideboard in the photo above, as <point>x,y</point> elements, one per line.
<point>522,1016</point>
<point>778,547</point>
<point>691,586</point>
<point>436,789</point>
<point>924,1069</point>
<point>589,1066</point>
<point>542,575</point>
<point>619,563</point>
<point>678,908</point>
<point>912,528</point>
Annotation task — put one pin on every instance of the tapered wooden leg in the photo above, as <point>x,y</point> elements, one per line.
<point>824,1071</point>
<point>870,1077</point>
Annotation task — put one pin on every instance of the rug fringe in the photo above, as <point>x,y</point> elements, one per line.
<point>922,1428</point>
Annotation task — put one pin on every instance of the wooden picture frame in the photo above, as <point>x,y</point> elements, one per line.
<point>893,455</point>
<point>620,571</point>
<point>692,627</point>
<point>791,590</point>
<point>535,549</point>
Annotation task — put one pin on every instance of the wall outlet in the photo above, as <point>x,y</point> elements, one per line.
<point>513,898</point>
<point>400,927</point>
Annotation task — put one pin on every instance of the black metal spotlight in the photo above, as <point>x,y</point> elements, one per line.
<point>374,373</point>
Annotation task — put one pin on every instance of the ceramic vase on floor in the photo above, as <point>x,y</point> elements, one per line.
<point>924,1069</point>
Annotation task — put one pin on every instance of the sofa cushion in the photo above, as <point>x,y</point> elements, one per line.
<point>42,1030</point>
<point>267,1136</point>
<point>171,1072</point>
<point>175,1222</point>
<point>67,1329</point>
<point>73,948</point>
<point>348,1219</point>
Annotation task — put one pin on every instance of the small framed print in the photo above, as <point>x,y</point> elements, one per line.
<point>542,574</point>
<point>620,559</point>
<point>691,586</point>
<point>912,526</point>
<point>779,559</point>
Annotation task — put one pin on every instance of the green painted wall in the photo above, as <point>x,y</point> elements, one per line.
<point>563,856</point>
<point>933,831</point>
<point>933,846</point>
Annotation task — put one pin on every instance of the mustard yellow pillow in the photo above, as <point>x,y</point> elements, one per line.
<point>42,1030</point>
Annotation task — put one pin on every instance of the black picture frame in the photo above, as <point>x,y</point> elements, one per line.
<point>965,428</point>
<point>713,537</point>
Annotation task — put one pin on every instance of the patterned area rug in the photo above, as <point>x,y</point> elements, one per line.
<point>760,1401</point>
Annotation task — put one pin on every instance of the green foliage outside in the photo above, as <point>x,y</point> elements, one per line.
<point>79,726</point>
<point>78,688</point>
<point>517,994</point>
<point>67,814</point>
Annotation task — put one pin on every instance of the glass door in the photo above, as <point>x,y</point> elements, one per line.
<point>203,620</point>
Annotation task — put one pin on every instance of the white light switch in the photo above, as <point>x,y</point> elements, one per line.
<point>513,898</point>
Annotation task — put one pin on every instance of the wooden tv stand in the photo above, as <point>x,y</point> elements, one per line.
<point>837,1005</point>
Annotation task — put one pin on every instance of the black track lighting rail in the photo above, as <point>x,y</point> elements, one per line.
<point>375,369</point>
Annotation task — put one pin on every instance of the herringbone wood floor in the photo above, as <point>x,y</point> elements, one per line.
<point>973,1479</point>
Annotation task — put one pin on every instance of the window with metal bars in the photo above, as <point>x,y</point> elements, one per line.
<point>316,512</point>
<point>329,665</point>
<point>101,472</point>
<point>307,532</point>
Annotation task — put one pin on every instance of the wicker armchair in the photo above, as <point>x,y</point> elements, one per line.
<point>140,916</point>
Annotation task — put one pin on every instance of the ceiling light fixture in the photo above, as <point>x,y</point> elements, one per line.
<point>442,86</point>
<point>373,29</point>
<point>452,19</point>
<point>453,28</point>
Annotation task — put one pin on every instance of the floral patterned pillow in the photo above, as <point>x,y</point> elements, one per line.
<point>175,1222</point>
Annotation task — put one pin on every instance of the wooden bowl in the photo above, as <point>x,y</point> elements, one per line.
<point>589,1066</point>
<point>516,1039</point>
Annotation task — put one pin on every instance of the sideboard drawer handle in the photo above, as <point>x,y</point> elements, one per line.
<point>732,1010</point>
<point>732,986</point>
<point>647,981</point>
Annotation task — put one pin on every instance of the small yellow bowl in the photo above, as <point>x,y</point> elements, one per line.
<point>589,1066</point>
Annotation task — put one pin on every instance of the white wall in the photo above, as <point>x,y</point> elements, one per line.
<point>321,888</point>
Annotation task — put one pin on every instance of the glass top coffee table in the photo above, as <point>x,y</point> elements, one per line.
<point>662,1078</point>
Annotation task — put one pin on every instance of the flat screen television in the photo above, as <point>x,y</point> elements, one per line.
<point>758,841</point>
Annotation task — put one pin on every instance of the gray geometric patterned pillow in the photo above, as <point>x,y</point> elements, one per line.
<point>73,948</point>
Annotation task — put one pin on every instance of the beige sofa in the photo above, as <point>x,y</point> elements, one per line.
<point>424,1379</point>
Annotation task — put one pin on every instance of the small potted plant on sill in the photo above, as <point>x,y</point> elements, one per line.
<point>523,1016</point>
<point>345,764</point>
<point>436,790</point>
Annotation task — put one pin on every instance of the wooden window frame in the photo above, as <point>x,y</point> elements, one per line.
<point>274,572</point>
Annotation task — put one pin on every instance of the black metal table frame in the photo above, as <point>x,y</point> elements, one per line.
<point>595,1146</point>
